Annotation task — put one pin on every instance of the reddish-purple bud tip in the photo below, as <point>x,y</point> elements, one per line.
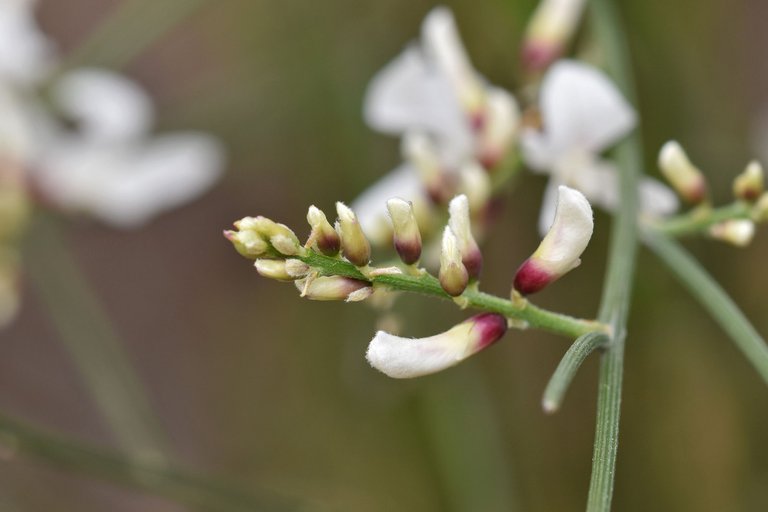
<point>409,252</point>
<point>537,56</point>
<point>531,278</point>
<point>473,262</point>
<point>491,327</point>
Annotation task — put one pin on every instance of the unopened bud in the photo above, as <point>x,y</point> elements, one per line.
<point>334,288</point>
<point>248,243</point>
<point>738,232</point>
<point>280,236</point>
<point>403,358</point>
<point>760,210</point>
<point>296,268</point>
<point>453,274</point>
<point>549,30</point>
<point>420,151</point>
<point>749,184</point>
<point>684,177</point>
<point>406,235</point>
<point>461,226</point>
<point>476,185</point>
<point>323,234</point>
<point>562,246</point>
<point>502,122</point>
<point>354,244</point>
<point>273,269</point>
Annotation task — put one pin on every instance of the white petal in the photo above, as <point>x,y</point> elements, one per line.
<point>106,105</point>
<point>406,357</point>
<point>411,94</point>
<point>582,108</point>
<point>657,199</point>
<point>501,125</point>
<point>569,234</point>
<point>26,54</point>
<point>371,205</point>
<point>126,186</point>
<point>548,207</point>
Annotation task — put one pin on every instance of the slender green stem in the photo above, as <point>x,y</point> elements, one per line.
<point>714,299</point>
<point>615,302</point>
<point>20,438</point>
<point>700,219</point>
<point>93,344</point>
<point>426,284</point>
<point>569,365</point>
<point>133,26</point>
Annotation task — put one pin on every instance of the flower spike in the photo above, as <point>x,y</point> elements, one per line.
<point>562,246</point>
<point>406,234</point>
<point>323,234</point>
<point>403,358</point>
<point>684,177</point>
<point>354,244</point>
<point>453,274</point>
<point>461,226</point>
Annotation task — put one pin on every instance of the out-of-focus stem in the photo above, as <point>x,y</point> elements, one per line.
<point>700,219</point>
<point>714,299</point>
<point>86,333</point>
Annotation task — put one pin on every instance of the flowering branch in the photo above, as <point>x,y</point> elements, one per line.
<point>519,309</point>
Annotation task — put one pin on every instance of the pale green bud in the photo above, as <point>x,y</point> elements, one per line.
<point>684,177</point>
<point>334,288</point>
<point>273,269</point>
<point>323,234</point>
<point>453,274</point>
<point>738,232</point>
<point>461,227</point>
<point>406,235</point>
<point>749,184</point>
<point>354,245</point>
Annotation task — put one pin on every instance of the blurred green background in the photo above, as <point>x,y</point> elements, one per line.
<point>273,392</point>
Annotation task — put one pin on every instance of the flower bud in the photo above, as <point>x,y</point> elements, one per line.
<point>248,243</point>
<point>273,269</point>
<point>406,235</point>
<point>280,236</point>
<point>296,268</point>
<point>562,246</point>
<point>476,185</point>
<point>453,274</point>
<point>420,151</point>
<point>502,121</point>
<point>749,184</point>
<point>334,288</point>
<point>460,224</point>
<point>738,232</point>
<point>403,358</point>
<point>354,244</point>
<point>760,210</point>
<point>549,30</point>
<point>323,234</point>
<point>684,177</point>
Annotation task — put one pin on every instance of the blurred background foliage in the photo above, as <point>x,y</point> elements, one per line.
<point>273,393</point>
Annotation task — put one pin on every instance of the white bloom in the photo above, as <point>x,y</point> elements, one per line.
<point>403,358</point>
<point>561,249</point>
<point>583,114</point>
<point>113,168</point>
<point>26,54</point>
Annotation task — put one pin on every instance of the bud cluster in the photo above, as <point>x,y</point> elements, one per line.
<point>748,190</point>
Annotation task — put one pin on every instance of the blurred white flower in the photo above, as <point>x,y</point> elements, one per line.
<point>583,114</point>
<point>111,166</point>
<point>451,121</point>
<point>26,54</point>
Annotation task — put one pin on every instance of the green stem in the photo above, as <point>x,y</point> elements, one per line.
<point>426,284</point>
<point>714,299</point>
<point>20,438</point>
<point>614,306</point>
<point>94,346</point>
<point>133,26</point>
<point>700,219</point>
<point>568,367</point>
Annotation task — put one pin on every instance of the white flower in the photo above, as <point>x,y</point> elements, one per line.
<point>403,358</point>
<point>26,55</point>
<point>583,114</point>
<point>112,168</point>
<point>561,249</point>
